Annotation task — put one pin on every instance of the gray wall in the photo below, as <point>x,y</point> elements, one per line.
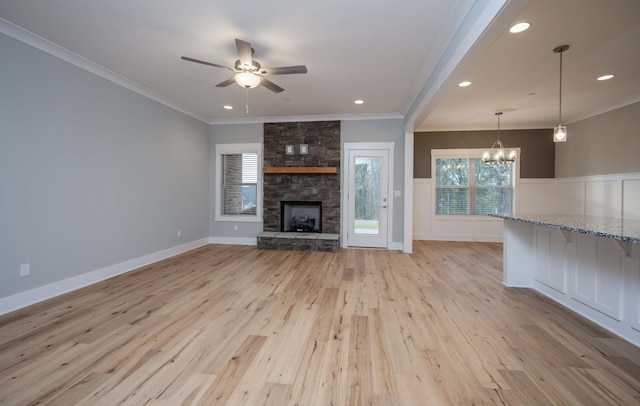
<point>91,174</point>
<point>231,134</point>
<point>390,130</point>
<point>605,144</point>
<point>536,148</point>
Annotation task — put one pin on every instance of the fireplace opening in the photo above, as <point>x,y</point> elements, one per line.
<point>303,217</point>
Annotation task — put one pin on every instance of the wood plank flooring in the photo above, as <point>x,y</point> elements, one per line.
<point>232,325</point>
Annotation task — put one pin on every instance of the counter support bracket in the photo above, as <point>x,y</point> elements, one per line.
<point>566,235</point>
<point>623,246</point>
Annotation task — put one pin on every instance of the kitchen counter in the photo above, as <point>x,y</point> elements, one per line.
<point>615,228</point>
<point>588,264</point>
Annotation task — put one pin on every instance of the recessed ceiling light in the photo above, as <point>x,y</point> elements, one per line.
<point>464,84</point>
<point>359,101</point>
<point>227,107</point>
<point>519,27</point>
<point>606,77</point>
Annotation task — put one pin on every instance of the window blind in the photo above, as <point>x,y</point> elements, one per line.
<point>467,186</point>
<point>239,184</point>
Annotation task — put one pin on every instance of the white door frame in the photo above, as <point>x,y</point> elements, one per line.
<point>347,148</point>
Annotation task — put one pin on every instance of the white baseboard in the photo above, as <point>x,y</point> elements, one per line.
<point>234,240</point>
<point>29,297</point>
<point>457,237</point>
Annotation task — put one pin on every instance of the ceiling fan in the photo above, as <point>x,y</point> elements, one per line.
<point>249,73</point>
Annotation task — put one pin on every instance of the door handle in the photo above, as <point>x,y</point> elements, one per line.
<point>384,207</point>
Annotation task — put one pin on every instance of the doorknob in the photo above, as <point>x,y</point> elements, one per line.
<point>384,207</point>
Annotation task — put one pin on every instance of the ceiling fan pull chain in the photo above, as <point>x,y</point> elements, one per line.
<point>247,100</point>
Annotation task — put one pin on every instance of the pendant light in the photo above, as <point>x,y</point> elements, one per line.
<point>560,132</point>
<point>497,155</point>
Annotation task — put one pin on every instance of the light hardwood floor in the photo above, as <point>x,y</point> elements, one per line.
<point>234,325</point>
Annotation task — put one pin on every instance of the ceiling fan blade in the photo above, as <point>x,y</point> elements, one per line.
<point>227,82</point>
<point>286,70</point>
<point>244,51</point>
<point>205,63</point>
<point>270,85</point>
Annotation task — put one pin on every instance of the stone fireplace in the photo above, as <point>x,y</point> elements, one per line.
<point>311,178</point>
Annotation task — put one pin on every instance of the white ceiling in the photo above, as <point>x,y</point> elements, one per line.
<point>397,56</point>
<point>519,73</point>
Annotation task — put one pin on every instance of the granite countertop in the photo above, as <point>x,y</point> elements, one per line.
<point>615,228</point>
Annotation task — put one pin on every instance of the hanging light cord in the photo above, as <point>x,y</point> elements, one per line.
<point>560,98</point>
<point>560,49</point>
<point>247,99</point>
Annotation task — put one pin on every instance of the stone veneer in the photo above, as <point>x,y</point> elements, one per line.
<point>323,140</point>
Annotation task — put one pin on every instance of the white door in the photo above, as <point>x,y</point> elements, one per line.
<point>368,198</point>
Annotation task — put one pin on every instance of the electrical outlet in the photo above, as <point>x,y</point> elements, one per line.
<point>179,233</point>
<point>235,227</point>
<point>24,270</point>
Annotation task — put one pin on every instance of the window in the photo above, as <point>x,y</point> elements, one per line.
<point>238,186</point>
<point>464,185</point>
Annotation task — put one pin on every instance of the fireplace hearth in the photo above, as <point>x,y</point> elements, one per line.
<point>298,216</point>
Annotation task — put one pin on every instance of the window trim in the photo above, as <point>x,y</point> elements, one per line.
<point>222,149</point>
<point>466,153</point>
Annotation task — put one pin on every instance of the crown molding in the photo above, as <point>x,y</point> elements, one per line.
<point>604,109</point>
<point>16,32</point>
<point>295,119</point>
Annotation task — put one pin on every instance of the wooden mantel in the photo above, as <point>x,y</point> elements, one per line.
<point>302,169</point>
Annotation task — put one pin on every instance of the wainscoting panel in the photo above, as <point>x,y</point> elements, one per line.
<point>533,196</point>
<point>604,198</point>
<point>550,261</point>
<point>631,199</point>
<point>452,228</point>
<point>599,275</point>
<point>422,209</point>
<point>603,195</point>
<point>487,229</point>
<point>569,197</point>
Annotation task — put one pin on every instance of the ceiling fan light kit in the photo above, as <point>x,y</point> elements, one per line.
<point>247,80</point>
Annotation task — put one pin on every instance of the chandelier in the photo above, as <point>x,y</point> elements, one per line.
<point>497,155</point>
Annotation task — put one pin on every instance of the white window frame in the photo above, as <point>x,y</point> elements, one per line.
<point>222,149</point>
<point>470,153</point>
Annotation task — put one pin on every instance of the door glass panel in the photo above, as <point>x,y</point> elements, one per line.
<point>367,195</point>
